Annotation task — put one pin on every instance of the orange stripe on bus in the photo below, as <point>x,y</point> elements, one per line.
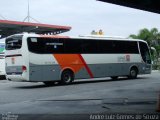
<point>86,66</point>
<point>69,61</point>
<point>73,61</point>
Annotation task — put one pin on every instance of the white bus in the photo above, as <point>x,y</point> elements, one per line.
<point>2,60</point>
<point>48,59</point>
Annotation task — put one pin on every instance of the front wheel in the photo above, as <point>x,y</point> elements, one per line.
<point>67,77</point>
<point>133,73</point>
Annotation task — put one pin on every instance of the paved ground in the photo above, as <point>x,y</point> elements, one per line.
<point>82,97</point>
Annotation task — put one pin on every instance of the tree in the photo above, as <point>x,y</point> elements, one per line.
<point>151,36</point>
<point>153,39</point>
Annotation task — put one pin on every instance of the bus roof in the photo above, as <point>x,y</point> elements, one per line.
<point>93,37</point>
<point>100,37</point>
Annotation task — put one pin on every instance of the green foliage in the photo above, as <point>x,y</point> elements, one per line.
<point>153,39</point>
<point>151,36</point>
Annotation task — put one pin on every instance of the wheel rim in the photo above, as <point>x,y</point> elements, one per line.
<point>133,73</point>
<point>67,78</point>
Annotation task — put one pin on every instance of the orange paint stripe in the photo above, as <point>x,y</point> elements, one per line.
<point>69,61</point>
<point>72,61</point>
<point>86,66</point>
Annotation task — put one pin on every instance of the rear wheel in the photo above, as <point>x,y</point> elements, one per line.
<point>67,77</point>
<point>133,73</point>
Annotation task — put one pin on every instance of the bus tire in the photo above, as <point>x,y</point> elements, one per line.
<point>133,73</point>
<point>67,77</point>
<point>49,83</point>
<point>114,77</point>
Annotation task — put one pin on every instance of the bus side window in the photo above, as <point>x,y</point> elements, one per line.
<point>53,45</point>
<point>36,45</point>
<point>73,46</point>
<point>90,46</point>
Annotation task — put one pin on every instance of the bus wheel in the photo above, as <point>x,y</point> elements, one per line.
<point>67,77</point>
<point>133,73</point>
<point>114,77</point>
<point>49,83</point>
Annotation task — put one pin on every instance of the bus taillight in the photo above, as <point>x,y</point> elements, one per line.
<point>24,68</point>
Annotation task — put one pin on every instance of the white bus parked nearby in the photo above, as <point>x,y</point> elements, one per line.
<point>48,59</point>
<point>2,60</point>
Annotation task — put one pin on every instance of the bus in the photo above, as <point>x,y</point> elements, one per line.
<point>2,60</point>
<point>53,58</point>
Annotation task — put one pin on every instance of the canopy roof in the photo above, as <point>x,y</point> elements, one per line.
<point>12,27</point>
<point>148,5</point>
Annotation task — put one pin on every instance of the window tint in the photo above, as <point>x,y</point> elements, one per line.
<point>105,46</point>
<point>90,46</point>
<point>53,45</point>
<point>126,47</point>
<point>13,43</point>
<point>131,47</point>
<point>45,45</point>
<point>35,45</point>
<point>118,47</point>
<point>81,46</point>
<point>74,46</point>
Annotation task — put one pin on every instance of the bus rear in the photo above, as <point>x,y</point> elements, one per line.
<point>15,60</point>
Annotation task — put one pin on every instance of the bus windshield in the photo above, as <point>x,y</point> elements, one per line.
<point>14,43</point>
<point>145,53</point>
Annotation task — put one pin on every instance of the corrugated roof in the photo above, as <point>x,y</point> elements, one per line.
<point>13,27</point>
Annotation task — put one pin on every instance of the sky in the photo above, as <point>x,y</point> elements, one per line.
<point>82,15</point>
